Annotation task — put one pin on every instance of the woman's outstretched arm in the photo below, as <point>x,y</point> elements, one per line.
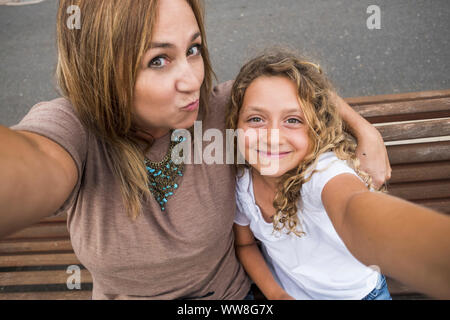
<point>407,242</point>
<point>371,150</point>
<point>36,177</point>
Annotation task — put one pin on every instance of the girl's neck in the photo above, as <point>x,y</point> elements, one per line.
<point>268,182</point>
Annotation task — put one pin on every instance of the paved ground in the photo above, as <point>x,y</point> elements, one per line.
<point>411,51</point>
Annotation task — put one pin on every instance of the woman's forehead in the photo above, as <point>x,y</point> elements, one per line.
<point>175,19</point>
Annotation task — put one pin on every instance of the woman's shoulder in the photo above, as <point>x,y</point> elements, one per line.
<point>222,91</point>
<point>56,119</point>
<point>57,109</point>
<point>217,104</point>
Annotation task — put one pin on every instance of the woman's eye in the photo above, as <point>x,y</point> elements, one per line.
<point>157,62</point>
<point>194,50</point>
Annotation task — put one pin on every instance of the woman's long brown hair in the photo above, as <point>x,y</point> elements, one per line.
<point>98,64</point>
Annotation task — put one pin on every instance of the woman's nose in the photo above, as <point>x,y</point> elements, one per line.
<point>189,78</point>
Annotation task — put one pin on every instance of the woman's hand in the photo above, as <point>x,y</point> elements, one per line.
<point>373,156</point>
<point>370,151</point>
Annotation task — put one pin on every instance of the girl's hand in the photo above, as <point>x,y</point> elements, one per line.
<point>373,155</point>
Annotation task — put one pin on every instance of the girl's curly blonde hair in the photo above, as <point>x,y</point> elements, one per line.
<point>326,128</point>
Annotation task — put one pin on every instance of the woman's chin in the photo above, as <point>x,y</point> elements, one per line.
<point>188,122</point>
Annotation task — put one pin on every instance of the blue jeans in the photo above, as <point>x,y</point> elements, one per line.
<point>250,295</point>
<point>380,292</point>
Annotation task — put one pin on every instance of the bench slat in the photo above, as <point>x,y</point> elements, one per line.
<point>42,230</point>
<point>421,191</point>
<point>405,110</point>
<point>28,260</point>
<point>59,295</point>
<point>388,98</point>
<point>15,246</point>
<point>419,152</point>
<point>60,218</point>
<point>441,205</point>
<point>415,130</point>
<point>40,277</point>
<point>420,172</point>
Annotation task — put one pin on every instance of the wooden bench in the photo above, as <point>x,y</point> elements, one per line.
<point>415,126</point>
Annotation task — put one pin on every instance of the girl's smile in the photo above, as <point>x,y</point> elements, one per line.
<point>273,155</point>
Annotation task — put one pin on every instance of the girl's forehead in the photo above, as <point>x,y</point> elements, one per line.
<point>272,93</point>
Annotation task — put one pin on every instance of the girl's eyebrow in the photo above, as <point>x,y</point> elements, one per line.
<point>254,109</point>
<point>261,110</point>
<point>154,45</point>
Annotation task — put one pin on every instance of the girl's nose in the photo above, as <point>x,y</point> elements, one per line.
<point>271,136</point>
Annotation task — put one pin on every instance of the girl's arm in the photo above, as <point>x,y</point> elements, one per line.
<point>254,264</point>
<point>371,150</point>
<point>407,242</point>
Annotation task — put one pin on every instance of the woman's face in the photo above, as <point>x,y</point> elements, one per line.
<point>167,91</point>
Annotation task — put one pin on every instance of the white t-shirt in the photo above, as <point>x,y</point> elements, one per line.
<point>318,265</point>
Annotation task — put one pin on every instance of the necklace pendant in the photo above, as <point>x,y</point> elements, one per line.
<point>163,176</point>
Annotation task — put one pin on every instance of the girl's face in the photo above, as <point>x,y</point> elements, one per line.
<point>272,110</point>
<point>168,84</point>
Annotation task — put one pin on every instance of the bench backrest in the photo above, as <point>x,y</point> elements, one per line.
<point>415,126</point>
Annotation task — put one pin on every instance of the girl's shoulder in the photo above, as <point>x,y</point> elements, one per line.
<point>243,181</point>
<point>327,167</point>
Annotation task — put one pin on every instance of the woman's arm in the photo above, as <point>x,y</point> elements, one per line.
<point>371,150</point>
<point>254,264</point>
<point>408,242</point>
<point>36,177</point>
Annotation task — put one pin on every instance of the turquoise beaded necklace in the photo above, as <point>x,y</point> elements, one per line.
<point>163,175</point>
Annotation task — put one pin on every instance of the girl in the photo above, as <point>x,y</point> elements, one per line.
<point>303,195</point>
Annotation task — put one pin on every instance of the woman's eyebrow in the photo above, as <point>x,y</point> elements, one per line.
<point>171,45</point>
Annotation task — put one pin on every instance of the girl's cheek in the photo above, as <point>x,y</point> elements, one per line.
<point>247,143</point>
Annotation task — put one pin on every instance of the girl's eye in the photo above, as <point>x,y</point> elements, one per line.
<point>293,121</point>
<point>255,119</point>
<point>195,50</point>
<point>158,62</point>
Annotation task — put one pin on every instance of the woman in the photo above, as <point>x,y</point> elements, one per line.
<point>132,73</point>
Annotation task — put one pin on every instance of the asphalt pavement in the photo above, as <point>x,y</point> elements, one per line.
<point>410,51</point>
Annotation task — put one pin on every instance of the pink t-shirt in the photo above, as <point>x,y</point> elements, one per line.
<point>185,252</point>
